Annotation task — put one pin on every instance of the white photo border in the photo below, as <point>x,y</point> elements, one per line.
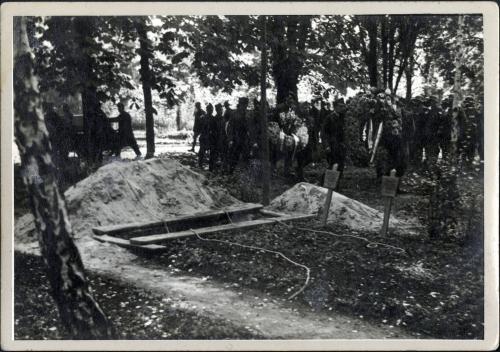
<point>489,11</point>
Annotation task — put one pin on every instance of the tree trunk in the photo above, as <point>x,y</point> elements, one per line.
<point>79,312</point>
<point>89,92</point>
<point>457,86</point>
<point>178,118</point>
<point>286,47</point>
<point>409,76</point>
<point>266,168</point>
<point>371,60</point>
<point>146,54</point>
<point>385,58</point>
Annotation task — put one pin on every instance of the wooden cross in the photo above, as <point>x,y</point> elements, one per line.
<point>331,180</point>
<point>388,191</point>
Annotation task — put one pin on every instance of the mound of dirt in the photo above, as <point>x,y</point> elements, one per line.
<point>307,198</point>
<point>136,191</point>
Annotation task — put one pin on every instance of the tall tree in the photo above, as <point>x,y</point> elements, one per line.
<point>146,54</point>
<point>266,167</point>
<point>79,311</point>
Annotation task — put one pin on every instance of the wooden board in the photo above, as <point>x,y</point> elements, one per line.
<point>115,229</point>
<point>389,186</point>
<point>126,243</point>
<point>142,240</point>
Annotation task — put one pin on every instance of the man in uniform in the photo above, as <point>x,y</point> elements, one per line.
<point>333,136</point>
<point>198,113</point>
<point>314,127</point>
<point>392,156</point>
<point>419,116</point>
<point>432,129</point>
<point>225,135</point>
<point>216,127</point>
<point>204,133</point>
<point>125,133</point>
<point>238,133</point>
<point>253,125</point>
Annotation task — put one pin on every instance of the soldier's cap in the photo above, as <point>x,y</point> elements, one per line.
<point>209,105</point>
<point>218,106</point>
<point>226,104</point>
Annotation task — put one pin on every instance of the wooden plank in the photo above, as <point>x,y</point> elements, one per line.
<point>114,229</point>
<point>126,243</point>
<point>272,213</point>
<point>204,230</point>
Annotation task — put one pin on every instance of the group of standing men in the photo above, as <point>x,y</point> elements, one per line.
<point>223,135</point>
<point>394,132</point>
<point>89,138</point>
<point>233,135</point>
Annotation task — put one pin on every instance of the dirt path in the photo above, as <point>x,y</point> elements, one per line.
<point>266,316</point>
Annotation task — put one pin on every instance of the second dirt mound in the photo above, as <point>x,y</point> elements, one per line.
<point>307,198</point>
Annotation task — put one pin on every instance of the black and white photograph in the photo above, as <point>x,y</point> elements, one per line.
<point>250,177</point>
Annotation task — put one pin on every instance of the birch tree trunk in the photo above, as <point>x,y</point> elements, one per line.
<point>79,312</point>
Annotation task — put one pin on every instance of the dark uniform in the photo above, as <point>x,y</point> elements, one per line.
<point>333,135</point>
<point>198,114</point>
<point>238,133</point>
<point>216,128</point>
<point>314,128</point>
<point>391,140</point>
<point>204,133</point>
<point>253,127</point>
<point>419,114</point>
<point>432,130</point>
<point>225,135</point>
<point>125,133</point>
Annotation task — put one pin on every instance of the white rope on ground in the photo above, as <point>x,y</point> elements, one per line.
<point>308,271</point>
<point>398,249</point>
